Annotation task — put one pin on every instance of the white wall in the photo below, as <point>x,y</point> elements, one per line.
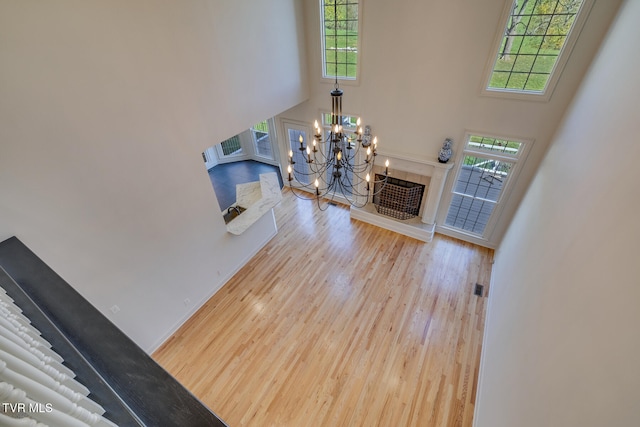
<point>422,68</point>
<point>105,108</point>
<point>561,341</point>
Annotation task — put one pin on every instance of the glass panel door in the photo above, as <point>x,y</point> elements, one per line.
<point>294,134</point>
<point>478,188</point>
<point>485,170</point>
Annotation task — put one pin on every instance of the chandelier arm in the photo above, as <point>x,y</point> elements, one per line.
<point>352,200</point>
<point>323,167</point>
<point>384,180</point>
<point>307,188</point>
<point>296,190</point>
<point>381,187</point>
<point>326,206</point>
<point>353,190</point>
<point>324,157</point>
<point>317,196</point>
<point>360,167</point>
<point>305,182</point>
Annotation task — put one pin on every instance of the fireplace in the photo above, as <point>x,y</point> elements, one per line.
<point>399,210</point>
<point>397,198</point>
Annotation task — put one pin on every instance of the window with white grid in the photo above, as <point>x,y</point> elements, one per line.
<point>535,44</point>
<point>340,26</point>
<point>482,177</point>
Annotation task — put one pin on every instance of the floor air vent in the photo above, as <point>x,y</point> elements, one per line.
<point>478,290</point>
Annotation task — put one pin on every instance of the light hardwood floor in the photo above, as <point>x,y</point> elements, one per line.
<point>339,323</point>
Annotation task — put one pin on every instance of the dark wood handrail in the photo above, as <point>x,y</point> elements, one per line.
<point>128,383</point>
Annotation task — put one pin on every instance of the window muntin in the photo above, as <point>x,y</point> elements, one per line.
<point>495,145</point>
<point>349,123</point>
<point>295,136</point>
<point>484,174</point>
<point>231,146</point>
<point>340,38</point>
<point>535,36</point>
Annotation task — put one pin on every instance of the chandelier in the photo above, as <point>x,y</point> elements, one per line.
<point>339,163</point>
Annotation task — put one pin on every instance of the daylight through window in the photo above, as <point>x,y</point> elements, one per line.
<point>534,37</point>
<point>340,30</point>
<point>482,177</point>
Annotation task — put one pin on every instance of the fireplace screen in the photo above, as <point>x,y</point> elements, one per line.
<point>398,198</point>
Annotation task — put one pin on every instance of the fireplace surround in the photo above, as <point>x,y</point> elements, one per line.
<point>432,175</point>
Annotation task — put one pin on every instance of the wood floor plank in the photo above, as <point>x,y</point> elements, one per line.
<point>337,322</point>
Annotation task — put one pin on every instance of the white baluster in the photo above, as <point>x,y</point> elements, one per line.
<point>15,313</point>
<point>13,308</point>
<point>36,382</point>
<point>35,339</point>
<point>49,415</point>
<point>19,422</point>
<point>45,354</point>
<point>49,367</point>
<point>65,399</point>
<point>43,394</point>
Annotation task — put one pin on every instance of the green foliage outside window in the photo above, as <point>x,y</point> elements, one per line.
<point>340,31</point>
<point>231,145</point>
<point>534,36</point>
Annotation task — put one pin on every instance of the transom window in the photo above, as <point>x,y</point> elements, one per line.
<point>494,145</point>
<point>348,122</point>
<point>340,38</point>
<point>531,48</point>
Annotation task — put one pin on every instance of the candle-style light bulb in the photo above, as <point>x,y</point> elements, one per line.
<point>386,167</point>
<point>367,178</point>
<point>358,122</point>
<point>368,154</point>
<point>290,157</point>
<point>339,156</point>
<point>308,154</point>
<point>289,170</point>
<point>301,141</point>
<point>317,184</point>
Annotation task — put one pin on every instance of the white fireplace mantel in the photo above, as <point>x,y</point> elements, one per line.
<point>421,227</point>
